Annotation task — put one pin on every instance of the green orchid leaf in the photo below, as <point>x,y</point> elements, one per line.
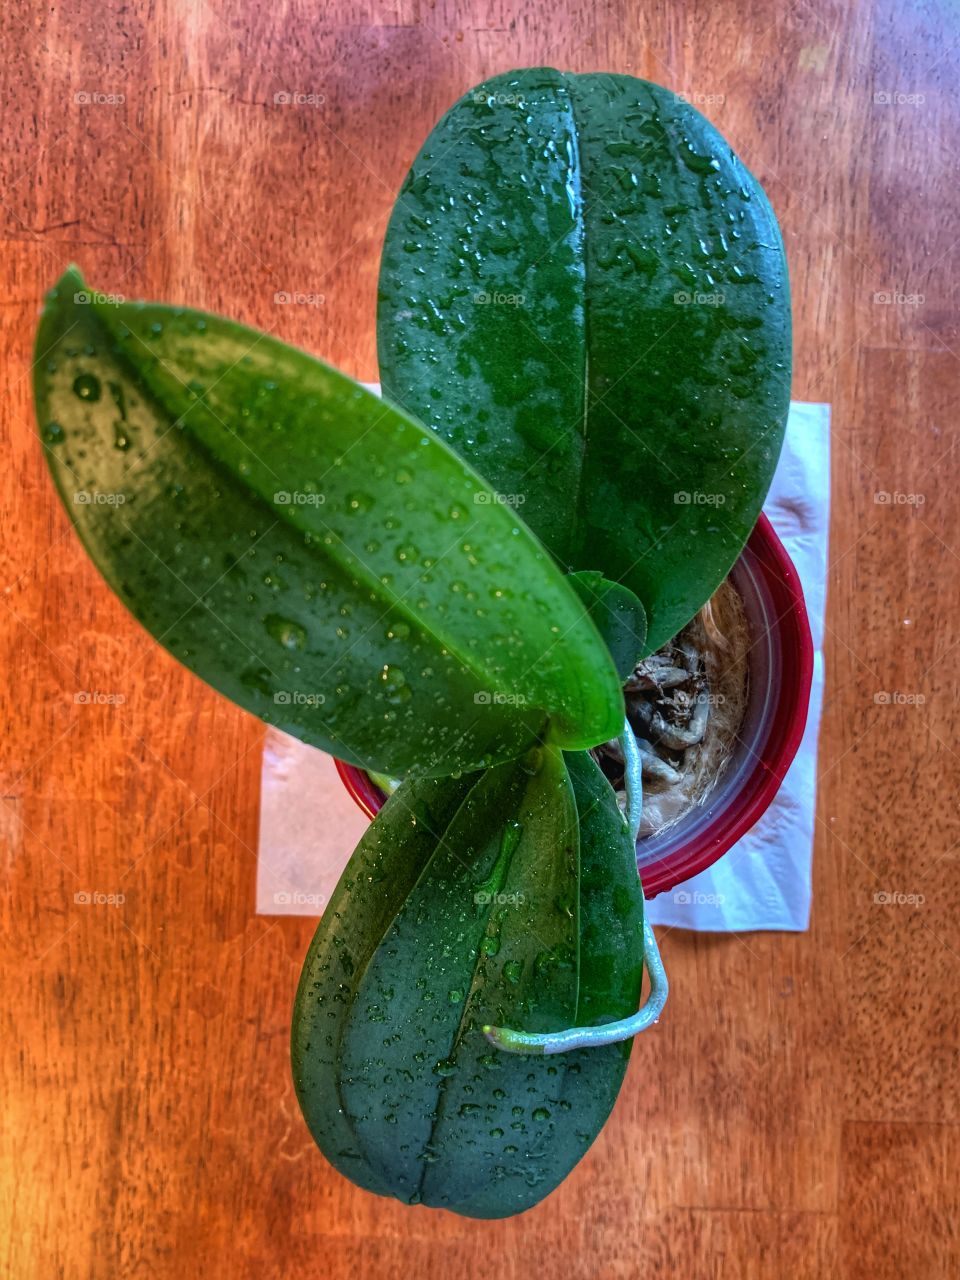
<point>611,902</point>
<point>617,614</point>
<point>307,549</point>
<point>585,291</point>
<point>509,894</point>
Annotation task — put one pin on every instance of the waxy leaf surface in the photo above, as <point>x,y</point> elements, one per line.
<point>507,897</point>
<point>584,290</point>
<point>310,551</point>
<point>617,614</point>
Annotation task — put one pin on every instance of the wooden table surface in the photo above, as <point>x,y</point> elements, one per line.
<point>797,1112</point>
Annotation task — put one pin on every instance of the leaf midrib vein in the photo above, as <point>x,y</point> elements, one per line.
<point>359,569</point>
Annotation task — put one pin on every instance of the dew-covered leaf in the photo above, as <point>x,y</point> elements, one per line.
<point>585,291</point>
<point>617,614</point>
<point>506,896</point>
<point>307,549</point>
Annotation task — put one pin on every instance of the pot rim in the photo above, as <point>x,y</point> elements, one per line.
<point>788,722</point>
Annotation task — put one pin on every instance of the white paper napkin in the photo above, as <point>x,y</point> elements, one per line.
<point>309,825</point>
<point>763,881</point>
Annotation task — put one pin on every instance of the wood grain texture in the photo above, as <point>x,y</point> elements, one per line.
<point>797,1112</point>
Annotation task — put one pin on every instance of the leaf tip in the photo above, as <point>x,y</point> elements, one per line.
<point>71,281</point>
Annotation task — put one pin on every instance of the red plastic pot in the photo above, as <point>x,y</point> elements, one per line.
<point>781,668</point>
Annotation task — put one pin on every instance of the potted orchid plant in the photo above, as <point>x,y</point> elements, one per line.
<point>584,342</point>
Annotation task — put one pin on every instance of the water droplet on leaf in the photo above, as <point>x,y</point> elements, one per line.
<point>86,386</point>
<point>289,634</point>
